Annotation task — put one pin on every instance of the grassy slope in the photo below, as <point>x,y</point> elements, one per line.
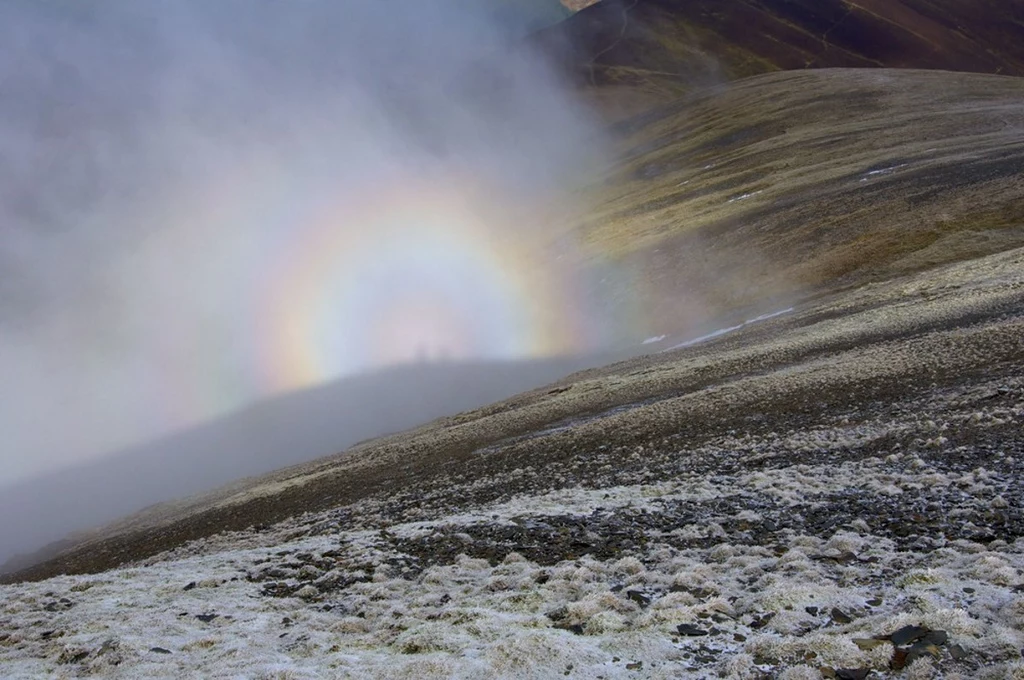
<point>784,183</point>
<point>805,140</point>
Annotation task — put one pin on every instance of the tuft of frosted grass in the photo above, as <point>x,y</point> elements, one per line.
<point>537,654</point>
<point>830,649</point>
<point>800,673</point>
<point>921,669</point>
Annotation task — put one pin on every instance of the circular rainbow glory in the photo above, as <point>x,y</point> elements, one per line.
<point>423,271</point>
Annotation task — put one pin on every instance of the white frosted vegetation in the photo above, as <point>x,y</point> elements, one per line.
<point>470,619</point>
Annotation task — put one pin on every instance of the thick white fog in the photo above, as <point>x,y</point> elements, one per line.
<point>204,204</point>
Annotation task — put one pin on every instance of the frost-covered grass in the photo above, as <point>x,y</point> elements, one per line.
<point>474,619</point>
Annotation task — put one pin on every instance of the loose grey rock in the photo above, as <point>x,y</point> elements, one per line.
<point>638,597</point>
<point>840,617</point>
<point>852,673</point>
<point>690,630</point>
<point>907,634</point>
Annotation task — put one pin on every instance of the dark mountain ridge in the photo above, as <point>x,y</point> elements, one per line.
<point>631,54</point>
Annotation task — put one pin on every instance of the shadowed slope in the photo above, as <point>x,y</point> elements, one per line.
<point>282,431</point>
<point>631,53</point>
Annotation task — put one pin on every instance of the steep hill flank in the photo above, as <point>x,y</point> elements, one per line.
<point>784,184</point>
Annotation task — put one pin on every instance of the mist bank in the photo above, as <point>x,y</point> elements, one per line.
<point>203,205</point>
<point>271,434</point>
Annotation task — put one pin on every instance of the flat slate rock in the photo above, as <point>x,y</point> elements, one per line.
<point>908,634</point>
<point>690,630</point>
<point>852,673</point>
<point>841,617</point>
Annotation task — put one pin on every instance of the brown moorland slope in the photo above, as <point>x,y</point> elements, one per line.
<point>630,54</point>
<point>791,182</point>
<point>804,184</point>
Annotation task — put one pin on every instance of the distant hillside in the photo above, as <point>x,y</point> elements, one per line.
<point>632,53</point>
